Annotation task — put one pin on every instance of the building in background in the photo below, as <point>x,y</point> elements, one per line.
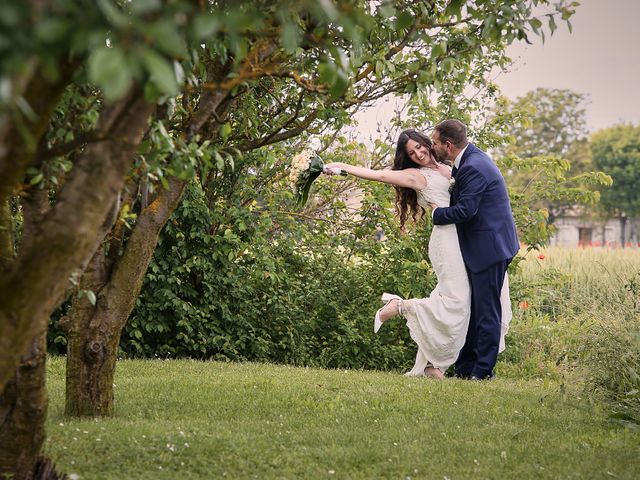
<point>575,228</point>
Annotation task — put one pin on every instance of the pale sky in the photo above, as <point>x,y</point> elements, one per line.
<point>601,58</point>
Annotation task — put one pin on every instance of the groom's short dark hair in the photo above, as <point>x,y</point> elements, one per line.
<point>453,131</point>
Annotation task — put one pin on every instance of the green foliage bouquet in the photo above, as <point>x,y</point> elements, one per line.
<point>305,168</point>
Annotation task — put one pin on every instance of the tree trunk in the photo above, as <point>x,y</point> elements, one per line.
<point>25,397</point>
<point>6,237</point>
<point>23,402</point>
<point>69,233</point>
<point>23,410</point>
<point>623,230</point>
<point>94,331</point>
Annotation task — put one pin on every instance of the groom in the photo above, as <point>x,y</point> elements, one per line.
<point>481,210</point>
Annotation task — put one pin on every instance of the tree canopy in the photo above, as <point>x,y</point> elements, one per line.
<point>616,150</point>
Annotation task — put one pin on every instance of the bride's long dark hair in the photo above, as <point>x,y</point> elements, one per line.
<point>407,198</point>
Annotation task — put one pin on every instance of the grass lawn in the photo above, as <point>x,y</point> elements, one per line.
<point>206,420</point>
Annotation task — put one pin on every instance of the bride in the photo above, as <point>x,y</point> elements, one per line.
<point>438,324</point>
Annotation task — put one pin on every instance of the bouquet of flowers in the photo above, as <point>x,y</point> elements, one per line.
<point>305,168</point>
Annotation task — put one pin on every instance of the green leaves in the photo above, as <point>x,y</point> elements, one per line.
<point>36,179</point>
<point>616,151</point>
<point>109,69</point>
<point>290,36</point>
<point>161,72</point>
<point>225,130</point>
<point>166,37</point>
<point>535,24</point>
<point>114,71</point>
<point>334,77</point>
<point>439,49</point>
<point>404,20</point>
<point>454,9</point>
<point>145,6</point>
<point>114,15</point>
<point>206,25</point>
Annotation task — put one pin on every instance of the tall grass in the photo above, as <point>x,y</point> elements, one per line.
<point>597,276</point>
<point>578,317</point>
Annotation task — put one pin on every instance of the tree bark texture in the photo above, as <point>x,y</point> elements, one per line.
<point>69,232</point>
<point>6,237</point>
<point>94,331</point>
<point>23,402</point>
<point>23,410</point>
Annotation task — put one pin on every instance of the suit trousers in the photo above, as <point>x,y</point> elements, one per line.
<point>480,352</point>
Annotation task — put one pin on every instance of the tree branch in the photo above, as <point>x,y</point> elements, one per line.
<point>81,140</point>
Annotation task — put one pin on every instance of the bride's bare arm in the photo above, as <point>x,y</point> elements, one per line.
<point>409,178</point>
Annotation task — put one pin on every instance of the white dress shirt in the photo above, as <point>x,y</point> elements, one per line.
<point>456,163</point>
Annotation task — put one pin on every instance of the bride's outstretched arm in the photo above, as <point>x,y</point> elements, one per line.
<point>409,178</point>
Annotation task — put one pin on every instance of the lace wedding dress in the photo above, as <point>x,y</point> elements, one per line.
<point>438,324</point>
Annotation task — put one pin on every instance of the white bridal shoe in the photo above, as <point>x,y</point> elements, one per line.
<point>386,298</point>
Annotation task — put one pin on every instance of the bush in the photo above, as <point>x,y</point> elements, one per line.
<point>260,290</point>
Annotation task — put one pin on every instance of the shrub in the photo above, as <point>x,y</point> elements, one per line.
<point>295,293</point>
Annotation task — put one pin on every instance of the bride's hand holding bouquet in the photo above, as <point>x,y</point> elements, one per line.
<point>336,168</point>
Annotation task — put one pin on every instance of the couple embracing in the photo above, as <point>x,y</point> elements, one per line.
<point>474,239</point>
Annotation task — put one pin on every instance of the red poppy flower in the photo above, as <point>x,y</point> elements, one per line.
<point>523,305</point>
<point>541,256</point>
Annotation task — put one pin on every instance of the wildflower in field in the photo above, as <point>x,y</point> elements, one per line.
<point>541,256</point>
<point>523,305</point>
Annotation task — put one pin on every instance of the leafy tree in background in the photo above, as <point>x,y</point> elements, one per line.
<point>548,124</point>
<point>553,122</point>
<point>108,110</point>
<point>616,151</point>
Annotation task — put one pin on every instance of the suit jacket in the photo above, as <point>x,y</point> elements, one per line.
<point>481,210</point>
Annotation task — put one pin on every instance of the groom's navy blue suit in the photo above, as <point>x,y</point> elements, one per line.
<point>481,210</point>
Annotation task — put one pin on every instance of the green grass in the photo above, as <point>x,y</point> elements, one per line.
<point>191,420</point>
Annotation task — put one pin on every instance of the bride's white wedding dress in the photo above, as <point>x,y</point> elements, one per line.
<point>438,324</point>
